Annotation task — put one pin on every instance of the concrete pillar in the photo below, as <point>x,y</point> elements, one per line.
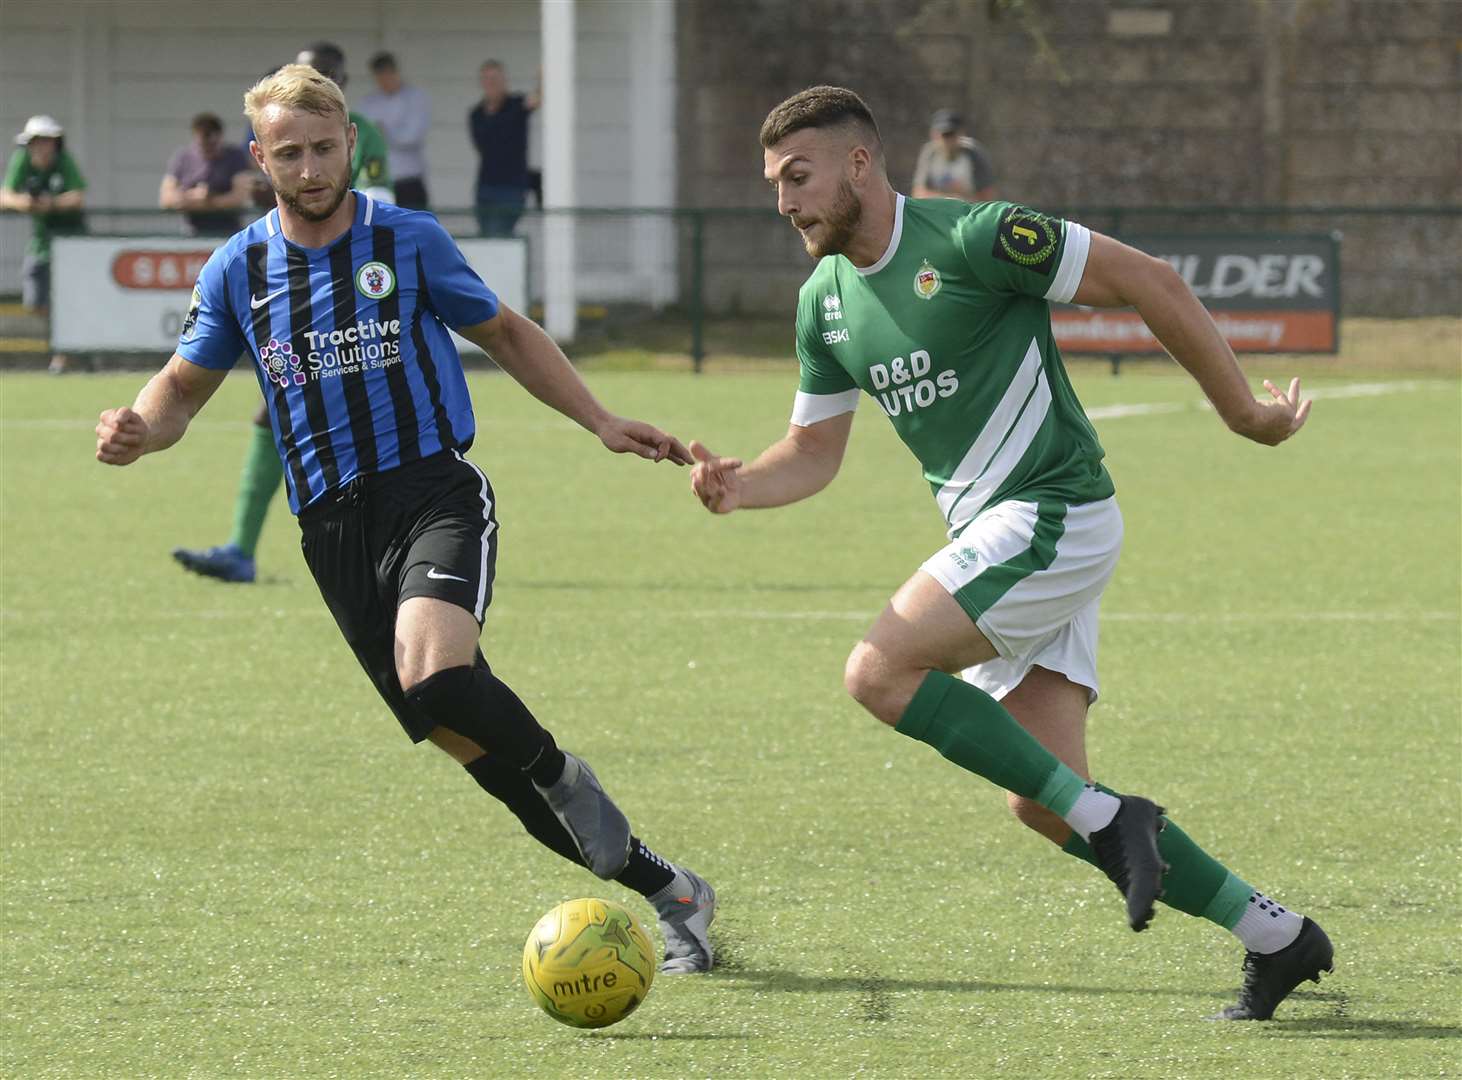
<point>652,147</point>
<point>560,289</point>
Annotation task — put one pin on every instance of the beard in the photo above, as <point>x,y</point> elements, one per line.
<point>838,224</point>
<point>340,187</point>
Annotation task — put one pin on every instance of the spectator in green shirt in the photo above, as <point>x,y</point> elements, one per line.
<point>42,180</point>
<point>370,169</point>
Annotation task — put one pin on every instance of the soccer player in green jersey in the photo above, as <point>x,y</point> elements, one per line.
<point>939,310</point>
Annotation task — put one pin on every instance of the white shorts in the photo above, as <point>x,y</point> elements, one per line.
<point>1031,575</point>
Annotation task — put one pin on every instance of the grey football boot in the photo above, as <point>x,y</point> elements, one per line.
<point>686,907</point>
<point>598,828</point>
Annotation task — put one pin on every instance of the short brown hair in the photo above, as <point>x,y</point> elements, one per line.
<point>207,123</point>
<point>295,86</point>
<point>821,107</point>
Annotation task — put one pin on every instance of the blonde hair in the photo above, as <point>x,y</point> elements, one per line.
<point>295,86</point>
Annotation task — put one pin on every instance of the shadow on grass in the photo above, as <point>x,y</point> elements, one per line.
<point>872,988</point>
<point>790,982</point>
<point>688,585</point>
<point>1359,1027</point>
<point>664,1036</point>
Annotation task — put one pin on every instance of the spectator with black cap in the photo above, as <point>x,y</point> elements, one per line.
<point>951,164</point>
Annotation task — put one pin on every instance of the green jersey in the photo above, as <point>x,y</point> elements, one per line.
<point>62,175</point>
<point>368,167</point>
<point>950,332</point>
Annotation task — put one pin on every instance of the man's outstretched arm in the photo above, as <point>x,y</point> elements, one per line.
<point>159,416</point>
<point>796,466</point>
<point>1120,276</point>
<point>521,348</point>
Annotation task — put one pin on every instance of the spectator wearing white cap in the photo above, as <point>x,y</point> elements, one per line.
<point>952,165</point>
<point>42,180</point>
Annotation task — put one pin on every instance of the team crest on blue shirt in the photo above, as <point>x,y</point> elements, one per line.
<point>281,364</point>
<point>375,281</point>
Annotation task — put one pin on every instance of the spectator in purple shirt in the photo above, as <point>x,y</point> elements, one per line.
<point>209,180</point>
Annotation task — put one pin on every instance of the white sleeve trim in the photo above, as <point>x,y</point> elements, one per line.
<point>811,409</point>
<point>1073,264</point>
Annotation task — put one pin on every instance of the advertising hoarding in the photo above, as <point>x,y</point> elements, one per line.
<point>130,294</point>
<point>1267,294</point>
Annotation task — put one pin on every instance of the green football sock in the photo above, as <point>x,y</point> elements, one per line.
<point>1196,882</point>
<point>974,731</point>
<point>263,473</point>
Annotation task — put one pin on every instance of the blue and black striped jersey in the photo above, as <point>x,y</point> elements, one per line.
<point>349,341</point>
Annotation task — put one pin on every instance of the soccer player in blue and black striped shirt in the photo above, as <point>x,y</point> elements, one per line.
<point>343,304</point>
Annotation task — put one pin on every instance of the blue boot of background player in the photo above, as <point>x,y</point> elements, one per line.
<point>227,563</point>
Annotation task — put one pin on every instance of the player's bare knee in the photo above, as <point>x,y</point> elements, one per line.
<point>859,675</point>
<point>412,670</point>
<point>872,681</point>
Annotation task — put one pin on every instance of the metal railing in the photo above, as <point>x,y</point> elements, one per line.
<point>701,269</point>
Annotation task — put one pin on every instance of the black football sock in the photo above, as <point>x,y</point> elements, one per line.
<point>547,767</point>
<point>514,789</point>
<point>646,873</point>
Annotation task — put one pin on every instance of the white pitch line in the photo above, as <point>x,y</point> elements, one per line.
<point>1117,412</point>
<point>751,614</point>
<point>1286,617</point>
<point>1351,390</point>
<point>1374,389</point>
<point>88,425</point>
<point>1099,412</point>
<point>82,424</point>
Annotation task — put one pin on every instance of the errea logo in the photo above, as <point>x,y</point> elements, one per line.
<point>964,557</point>
<point>832,311</point>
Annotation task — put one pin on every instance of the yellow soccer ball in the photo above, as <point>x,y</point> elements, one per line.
<point>588,963</point>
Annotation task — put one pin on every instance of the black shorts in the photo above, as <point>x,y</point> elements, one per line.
<point>424,529</point>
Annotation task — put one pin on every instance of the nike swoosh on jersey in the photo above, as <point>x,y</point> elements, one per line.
<point>256,302</point>
<point>431,572</point>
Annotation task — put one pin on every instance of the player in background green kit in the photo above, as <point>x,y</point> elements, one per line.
<point>939,310</point>
<point>263,475</point>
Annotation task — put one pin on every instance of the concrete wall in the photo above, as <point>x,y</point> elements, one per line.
<point>1113,102</point>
